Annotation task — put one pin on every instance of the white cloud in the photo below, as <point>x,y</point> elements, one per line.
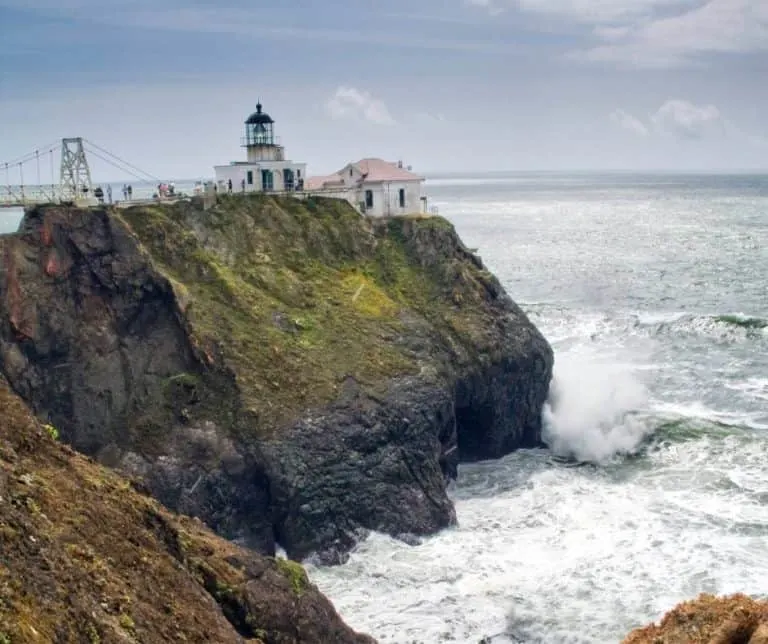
<point>351,103</point>
<point>660,33</point>
<point>436,119</point>
<point>686,120</point>
<point>489,5</point>
<point>601,11</point>
<point>720,26</point>
<point>677,118</point>
<point>628,122</point>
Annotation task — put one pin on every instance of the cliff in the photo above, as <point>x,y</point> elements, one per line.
<point>286,371</point>
<point>737,619</point>
<point>87,558</point>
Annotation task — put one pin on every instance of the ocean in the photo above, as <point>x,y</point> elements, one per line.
<point>653,291</point>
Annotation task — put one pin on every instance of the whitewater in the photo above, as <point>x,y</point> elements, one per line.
<point>653,293</point>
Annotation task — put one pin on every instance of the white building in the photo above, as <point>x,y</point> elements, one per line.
<point>378,188</point>
<point>266,168</point>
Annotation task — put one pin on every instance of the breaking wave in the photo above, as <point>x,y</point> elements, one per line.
<point>742,321</point>
<point>723,329</point>
<point>592,410</point>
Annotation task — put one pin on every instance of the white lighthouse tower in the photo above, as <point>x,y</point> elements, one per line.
<point>266,168</point>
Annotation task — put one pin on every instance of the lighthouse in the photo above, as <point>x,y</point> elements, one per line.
<point>265,169</point>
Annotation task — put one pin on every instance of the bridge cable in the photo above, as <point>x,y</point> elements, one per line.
<point>53,176</point>
<point>31,155</point>
<point>123,161</point>
<point>119,167</point>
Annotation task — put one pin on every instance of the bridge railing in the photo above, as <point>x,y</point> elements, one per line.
<point>19,195</point>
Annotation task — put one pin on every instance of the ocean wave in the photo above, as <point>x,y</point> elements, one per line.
<point>742,321</point>
<point>589,415</point>
<point>563,325</point>
<point>678,430</point>
<point>720,328</point>
<point>696,413</point>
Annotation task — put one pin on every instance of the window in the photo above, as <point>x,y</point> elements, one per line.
<point>369,198</point>
<point>350,172</point>
<point>402,197</point>
<point>250,177</point>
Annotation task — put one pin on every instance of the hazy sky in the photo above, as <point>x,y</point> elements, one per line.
<point>442,84</point>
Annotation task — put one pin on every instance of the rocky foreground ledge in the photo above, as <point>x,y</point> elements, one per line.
<point>737,619</point>
<point>289,372</point>
<point>87,558</point>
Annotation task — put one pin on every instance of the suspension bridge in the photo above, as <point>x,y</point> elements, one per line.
<point>33,178</point>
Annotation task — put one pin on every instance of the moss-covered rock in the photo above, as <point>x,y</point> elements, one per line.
<point>286,370</point>
<point>97,562</point>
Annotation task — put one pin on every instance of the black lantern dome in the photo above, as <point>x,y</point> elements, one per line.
<point>259,117</point>
<point>259,129</point>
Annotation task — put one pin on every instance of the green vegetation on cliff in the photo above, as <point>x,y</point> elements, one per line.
<point>298,295</point>
<point>88,559</point>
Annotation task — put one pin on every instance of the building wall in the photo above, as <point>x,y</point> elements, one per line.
<point>238,172</point>
<point>386,198</point>
<point>258,153</point>
<point>350,175</point>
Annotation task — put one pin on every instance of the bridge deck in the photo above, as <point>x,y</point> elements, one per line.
<point>21,196</point>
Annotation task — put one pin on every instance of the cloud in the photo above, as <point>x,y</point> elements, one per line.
<point>659,33</point>
<point>628,122</point>
<point>351,103</point>
<point>677,118</point>
<point>256,24</point>
<point>489,5</point>
<point>601,11</point>
<point>686,120</point>
<point>720,26</point>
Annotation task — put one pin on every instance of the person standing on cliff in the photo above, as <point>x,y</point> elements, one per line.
<point>229,186</point>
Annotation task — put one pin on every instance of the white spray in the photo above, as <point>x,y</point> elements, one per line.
<point>589,413</point>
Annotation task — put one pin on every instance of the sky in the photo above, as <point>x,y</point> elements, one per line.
<point>444,85</point>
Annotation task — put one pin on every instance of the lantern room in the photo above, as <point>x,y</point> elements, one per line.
<point>259,128</point>
<point>259,140</point>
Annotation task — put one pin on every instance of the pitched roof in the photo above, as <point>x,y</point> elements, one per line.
<point>380,170</point>
<point>372,171</point>
<point>317,183</point>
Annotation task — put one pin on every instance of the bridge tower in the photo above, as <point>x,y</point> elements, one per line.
<point>75,173</point>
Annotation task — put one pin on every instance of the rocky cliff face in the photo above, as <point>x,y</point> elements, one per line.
<point>87,558</point>
<point>287,371</point>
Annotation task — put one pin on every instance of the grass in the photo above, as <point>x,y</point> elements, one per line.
<point>295,573</point>
<point>298,295</point>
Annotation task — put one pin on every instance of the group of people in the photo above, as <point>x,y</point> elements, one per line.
<point>98,192</point>
<point>165,190</point>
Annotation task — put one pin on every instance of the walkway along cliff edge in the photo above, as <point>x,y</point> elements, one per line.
<point>287,371</point>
